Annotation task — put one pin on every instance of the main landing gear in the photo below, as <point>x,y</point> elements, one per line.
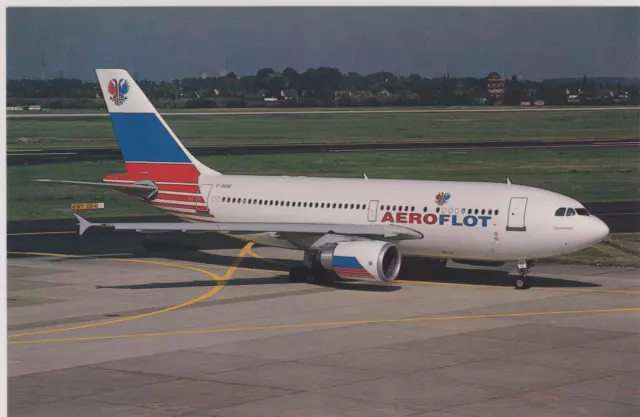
<point>311,272</point>
<point>312,275</point>
<point>524,281</point>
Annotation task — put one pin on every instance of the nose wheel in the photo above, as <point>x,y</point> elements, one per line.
<point>524,281</point>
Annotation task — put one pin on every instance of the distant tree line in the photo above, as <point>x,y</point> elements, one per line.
<point>325,86</point>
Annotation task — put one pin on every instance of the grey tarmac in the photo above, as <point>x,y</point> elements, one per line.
<point>224,333</point>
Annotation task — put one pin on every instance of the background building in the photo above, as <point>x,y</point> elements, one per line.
<point>495,88</point>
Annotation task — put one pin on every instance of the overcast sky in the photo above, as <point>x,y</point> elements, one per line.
<point>167,43</point>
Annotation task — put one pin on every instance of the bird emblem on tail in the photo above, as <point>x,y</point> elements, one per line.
<point>118,91</point>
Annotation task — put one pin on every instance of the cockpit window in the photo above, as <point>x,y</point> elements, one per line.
<point>571,212</point>
<point>582,212</point>
<point>560,211</point>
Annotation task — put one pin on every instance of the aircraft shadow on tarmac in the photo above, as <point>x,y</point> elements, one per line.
<point>494,278</point>
<point>481,277</point>
<point>263,264</point>
<point>280,279</point>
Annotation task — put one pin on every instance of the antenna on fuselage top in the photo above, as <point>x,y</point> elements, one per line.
<point>508,181</point>
<point>364,174</point>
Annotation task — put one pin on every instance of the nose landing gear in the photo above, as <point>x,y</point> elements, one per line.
<point>524,281</point>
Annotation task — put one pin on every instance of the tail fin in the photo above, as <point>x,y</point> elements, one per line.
<point>144,137</point>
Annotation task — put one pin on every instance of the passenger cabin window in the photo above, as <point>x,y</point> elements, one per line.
<point>571,212</point>
<point>560,212</point>
<point>582,212</point>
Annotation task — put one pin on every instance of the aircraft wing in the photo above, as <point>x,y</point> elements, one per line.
<point>388,231</point>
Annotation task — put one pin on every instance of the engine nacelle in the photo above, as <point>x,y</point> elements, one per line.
<point>363,259</point>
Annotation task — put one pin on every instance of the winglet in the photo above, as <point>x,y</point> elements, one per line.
<point>83,223</point>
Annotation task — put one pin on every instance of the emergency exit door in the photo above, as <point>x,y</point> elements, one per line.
<point>517,214</point>
<point>373,210</point>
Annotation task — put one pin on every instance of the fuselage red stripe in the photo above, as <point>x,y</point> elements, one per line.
<point>185,198</point>
<point>182,206</point>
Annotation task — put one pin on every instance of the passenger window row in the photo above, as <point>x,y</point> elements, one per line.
<point>398,208</point>
<point>563,211</point>
<point>450,210</point>
<point>280,203</point>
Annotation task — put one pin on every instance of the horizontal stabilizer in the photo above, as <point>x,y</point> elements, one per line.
<point>145,189</point>
<point>389,231</point>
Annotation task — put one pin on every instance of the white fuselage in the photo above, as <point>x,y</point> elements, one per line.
<point>479,221</point>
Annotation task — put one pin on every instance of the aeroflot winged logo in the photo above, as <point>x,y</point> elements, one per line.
<point>118,91</point>
<point>442,198</point>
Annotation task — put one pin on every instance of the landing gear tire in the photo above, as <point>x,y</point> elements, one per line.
<point>310,275</point>
<point>319,276</point>
<point>298,274</point>
<point>523,283</point>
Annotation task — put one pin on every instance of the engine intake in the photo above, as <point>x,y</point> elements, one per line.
<point>365,260</point>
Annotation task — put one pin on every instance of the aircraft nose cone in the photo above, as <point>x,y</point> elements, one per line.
<point>600,230</point>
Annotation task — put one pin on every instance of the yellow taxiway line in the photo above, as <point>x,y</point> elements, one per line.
<point>219,280</point>
<point>323,324</point>
<point>247,250</point>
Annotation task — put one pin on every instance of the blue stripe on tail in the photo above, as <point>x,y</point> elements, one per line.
<point>143,138</point>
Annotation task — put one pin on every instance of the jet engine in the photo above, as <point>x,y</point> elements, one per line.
<point>364,259</point>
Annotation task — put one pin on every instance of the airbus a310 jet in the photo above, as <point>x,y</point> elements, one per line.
<point>357,228</point>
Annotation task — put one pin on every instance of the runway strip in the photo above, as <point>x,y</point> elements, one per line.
<point>267,112</point>
<point>42,156</point>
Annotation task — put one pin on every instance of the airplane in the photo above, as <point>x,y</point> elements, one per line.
<point>354,228</point>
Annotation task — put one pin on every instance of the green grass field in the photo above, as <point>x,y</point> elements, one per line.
<point>327,128</point>
<point>593,174</point>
